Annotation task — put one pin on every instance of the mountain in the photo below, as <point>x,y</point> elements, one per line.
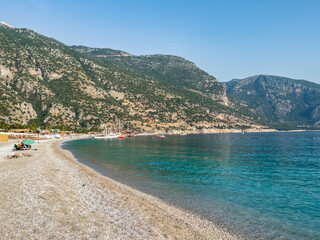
<point>5,24</point>
<point>166,69</point>
<point>282,100</point>
<point>44,82</point>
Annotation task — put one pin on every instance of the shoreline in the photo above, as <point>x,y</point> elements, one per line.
<point>208,131</point>
<point>226,132</point>
<point>64,198</point>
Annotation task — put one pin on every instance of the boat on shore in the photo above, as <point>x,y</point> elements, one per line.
<point>106,136</point>
<point>110,134</point>
<point>161,136</point>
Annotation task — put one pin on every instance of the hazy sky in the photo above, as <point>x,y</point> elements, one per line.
<point>227,38</point>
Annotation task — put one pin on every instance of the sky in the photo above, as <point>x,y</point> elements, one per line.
<point>227,38</point>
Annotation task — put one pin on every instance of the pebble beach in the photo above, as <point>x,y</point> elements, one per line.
<point>52,196</point>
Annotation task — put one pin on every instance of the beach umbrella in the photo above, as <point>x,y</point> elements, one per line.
<point>28,142</point>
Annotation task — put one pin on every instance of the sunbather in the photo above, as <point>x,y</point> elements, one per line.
<point>26,154</point>
<point>13,156</point>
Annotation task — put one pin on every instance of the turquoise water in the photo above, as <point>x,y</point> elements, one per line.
<point>259,185</point>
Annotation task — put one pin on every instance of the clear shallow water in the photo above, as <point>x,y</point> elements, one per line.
<point>259,185</point>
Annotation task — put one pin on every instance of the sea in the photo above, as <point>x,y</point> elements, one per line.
<point>256,185</point>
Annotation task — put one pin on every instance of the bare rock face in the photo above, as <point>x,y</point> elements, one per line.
<point>23,112</point>
<point>315,114</point>
<point>5,72</point>
<point>59,114</point>
<point>94,92</point>
<point>5,24</point>
<point>53,76</point>
<point>116,95</point>
<point>35,72</point>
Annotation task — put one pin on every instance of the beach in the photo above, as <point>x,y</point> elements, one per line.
<point>52,196</point>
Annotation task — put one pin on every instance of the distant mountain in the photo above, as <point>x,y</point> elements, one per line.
<point>282,100</point>
<point>44,82</point>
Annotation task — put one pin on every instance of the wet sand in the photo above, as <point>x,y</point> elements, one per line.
<point>52,196</point>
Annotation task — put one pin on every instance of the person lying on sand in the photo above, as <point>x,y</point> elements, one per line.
<point>13,156</point>
<point>18,155</point>
<point>26,154</point>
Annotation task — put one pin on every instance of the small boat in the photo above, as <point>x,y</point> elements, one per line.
<point>161,136</point>
<point>121,137</point>
<point>183,134</point>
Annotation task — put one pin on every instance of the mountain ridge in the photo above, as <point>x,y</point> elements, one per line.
<point>280,99</point>
<point>165,68</point>
<point>5,24</point>
<point>45,82</point>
